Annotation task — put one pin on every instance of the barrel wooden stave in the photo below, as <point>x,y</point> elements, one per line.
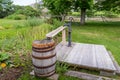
<point>45,62</point>
<point>52,52</point>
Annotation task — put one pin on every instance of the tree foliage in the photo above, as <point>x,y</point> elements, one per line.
<point>26,10</point>
<point>58,7</point>
<point>62,7</point>
<point>109,5</point>
<point>5,8</point>
<point>83,4</point>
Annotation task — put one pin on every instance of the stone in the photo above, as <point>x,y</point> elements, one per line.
<point>53,77</point>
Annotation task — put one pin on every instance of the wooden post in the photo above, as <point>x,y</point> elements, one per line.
<point>63,36</point>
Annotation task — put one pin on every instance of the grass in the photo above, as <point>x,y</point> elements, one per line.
<point>17,36</point>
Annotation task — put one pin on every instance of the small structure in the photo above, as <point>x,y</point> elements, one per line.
<point>88,56</point>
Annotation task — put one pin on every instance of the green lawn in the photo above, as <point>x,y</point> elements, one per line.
<point>16,37</point>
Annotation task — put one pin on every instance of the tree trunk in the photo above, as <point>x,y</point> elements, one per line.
<point>83,13</point>
<point>63,17</point>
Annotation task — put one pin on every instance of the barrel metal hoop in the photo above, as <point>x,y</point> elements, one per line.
<point>45,47</point>
<point>42,67</point>
<point>43,50</point>
<point>46,74</point>
<point>46,57</point>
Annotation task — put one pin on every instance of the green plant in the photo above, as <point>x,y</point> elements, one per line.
<point>61,67</point>
<point>4,59</point>
<point>27,11</point>
<point>5,8</point>
<point>17,26</point>
<point>4,56</point>
<point>34,22</point>
<point>75,14</point>
<point>111,14</point>
<point>55,23</point>
<point>16,17</point>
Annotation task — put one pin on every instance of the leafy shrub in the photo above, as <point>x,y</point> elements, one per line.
<point>56,23</point>
<point>16,17</point>
<point>111,15</point>
<point>99,13</point>
<point>75,14</point>
<point>19,26</point>
<point>106,14</point>
<point>4,60</point>
<point>4,56</point>
<point>33,22</point>
<point>49,21</point>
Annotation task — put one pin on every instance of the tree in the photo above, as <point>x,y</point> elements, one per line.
<point>83,5</point>
<point>59,7</point>
<point>27,11</point>
<point>5,8</point>
<point>62,7</point>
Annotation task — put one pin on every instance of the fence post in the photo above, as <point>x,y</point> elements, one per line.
<point>63,36</point>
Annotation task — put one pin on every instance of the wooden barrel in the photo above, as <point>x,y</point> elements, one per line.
<point>43,57</point>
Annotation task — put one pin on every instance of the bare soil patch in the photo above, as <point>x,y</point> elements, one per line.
<point>11,73</point>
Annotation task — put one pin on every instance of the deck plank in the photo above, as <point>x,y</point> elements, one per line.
<point>104,61</point>
<point>89,56</point>
<point>63,51</point>
<point>74,55</point>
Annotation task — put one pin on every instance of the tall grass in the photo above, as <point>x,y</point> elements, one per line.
<point>33,22</point>
<point>23,37</point>
<point>34,33</point>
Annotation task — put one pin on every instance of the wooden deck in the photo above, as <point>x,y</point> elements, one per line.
<point>89,56</point>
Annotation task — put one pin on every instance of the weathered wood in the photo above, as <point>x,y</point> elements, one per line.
<point>104,61</point>
<point>63,51</point>
<point>63,36</point>
<point>115,63</point>
<point>105,73</point>
<point>88,56</point>
<point>55,32</point>
<point>86,76</point>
